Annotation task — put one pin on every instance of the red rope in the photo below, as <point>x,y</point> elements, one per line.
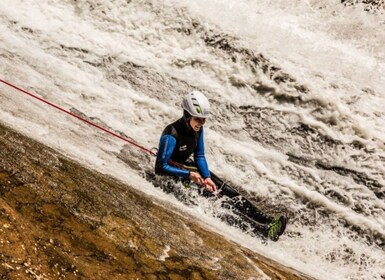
<point>80,118</point>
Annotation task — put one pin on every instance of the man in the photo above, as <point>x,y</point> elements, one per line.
<point>185,137</point>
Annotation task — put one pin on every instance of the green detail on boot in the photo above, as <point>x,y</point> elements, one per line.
<point>274,229</point>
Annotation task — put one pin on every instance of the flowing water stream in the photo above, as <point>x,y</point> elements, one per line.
<point>297,92</point>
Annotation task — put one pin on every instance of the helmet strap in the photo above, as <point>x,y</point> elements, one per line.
<point>187,117</point>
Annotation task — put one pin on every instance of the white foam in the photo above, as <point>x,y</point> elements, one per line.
<point>318,49</point>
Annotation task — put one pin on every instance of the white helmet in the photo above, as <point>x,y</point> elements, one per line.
<point>196,104</point>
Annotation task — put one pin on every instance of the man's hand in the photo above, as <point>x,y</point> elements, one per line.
<point>196,177</point>
<point>209,185</point>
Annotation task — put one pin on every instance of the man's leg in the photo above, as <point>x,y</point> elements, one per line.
<point>271,227</point>
<point>240,203</point>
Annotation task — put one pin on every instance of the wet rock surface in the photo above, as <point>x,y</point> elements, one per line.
<point>59,220</point>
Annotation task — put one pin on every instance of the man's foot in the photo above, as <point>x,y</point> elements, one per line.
<point>276,228</point>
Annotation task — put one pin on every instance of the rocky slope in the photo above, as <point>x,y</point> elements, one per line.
<point>59,220</point>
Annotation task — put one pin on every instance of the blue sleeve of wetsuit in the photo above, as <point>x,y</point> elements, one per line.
<point>200,158</point>
<point>166,148</point>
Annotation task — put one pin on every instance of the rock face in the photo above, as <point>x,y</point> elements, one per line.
<point>59,220</point>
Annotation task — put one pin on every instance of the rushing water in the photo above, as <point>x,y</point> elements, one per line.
<point>296,87</point>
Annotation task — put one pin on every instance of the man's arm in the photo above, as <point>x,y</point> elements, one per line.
<point>166,148</point>
<point>200,158</point>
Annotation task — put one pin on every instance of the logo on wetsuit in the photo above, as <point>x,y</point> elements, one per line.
<point>183,148</point>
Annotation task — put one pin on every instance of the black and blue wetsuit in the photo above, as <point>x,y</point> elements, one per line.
<point>177,143</point>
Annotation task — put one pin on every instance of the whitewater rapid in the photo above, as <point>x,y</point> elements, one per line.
<point>297,92</point>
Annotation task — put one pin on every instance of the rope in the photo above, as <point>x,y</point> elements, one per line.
<point>80,118</point>
<point>91,123</point>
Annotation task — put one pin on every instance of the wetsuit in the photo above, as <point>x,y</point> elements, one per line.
<point>177,143</point>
